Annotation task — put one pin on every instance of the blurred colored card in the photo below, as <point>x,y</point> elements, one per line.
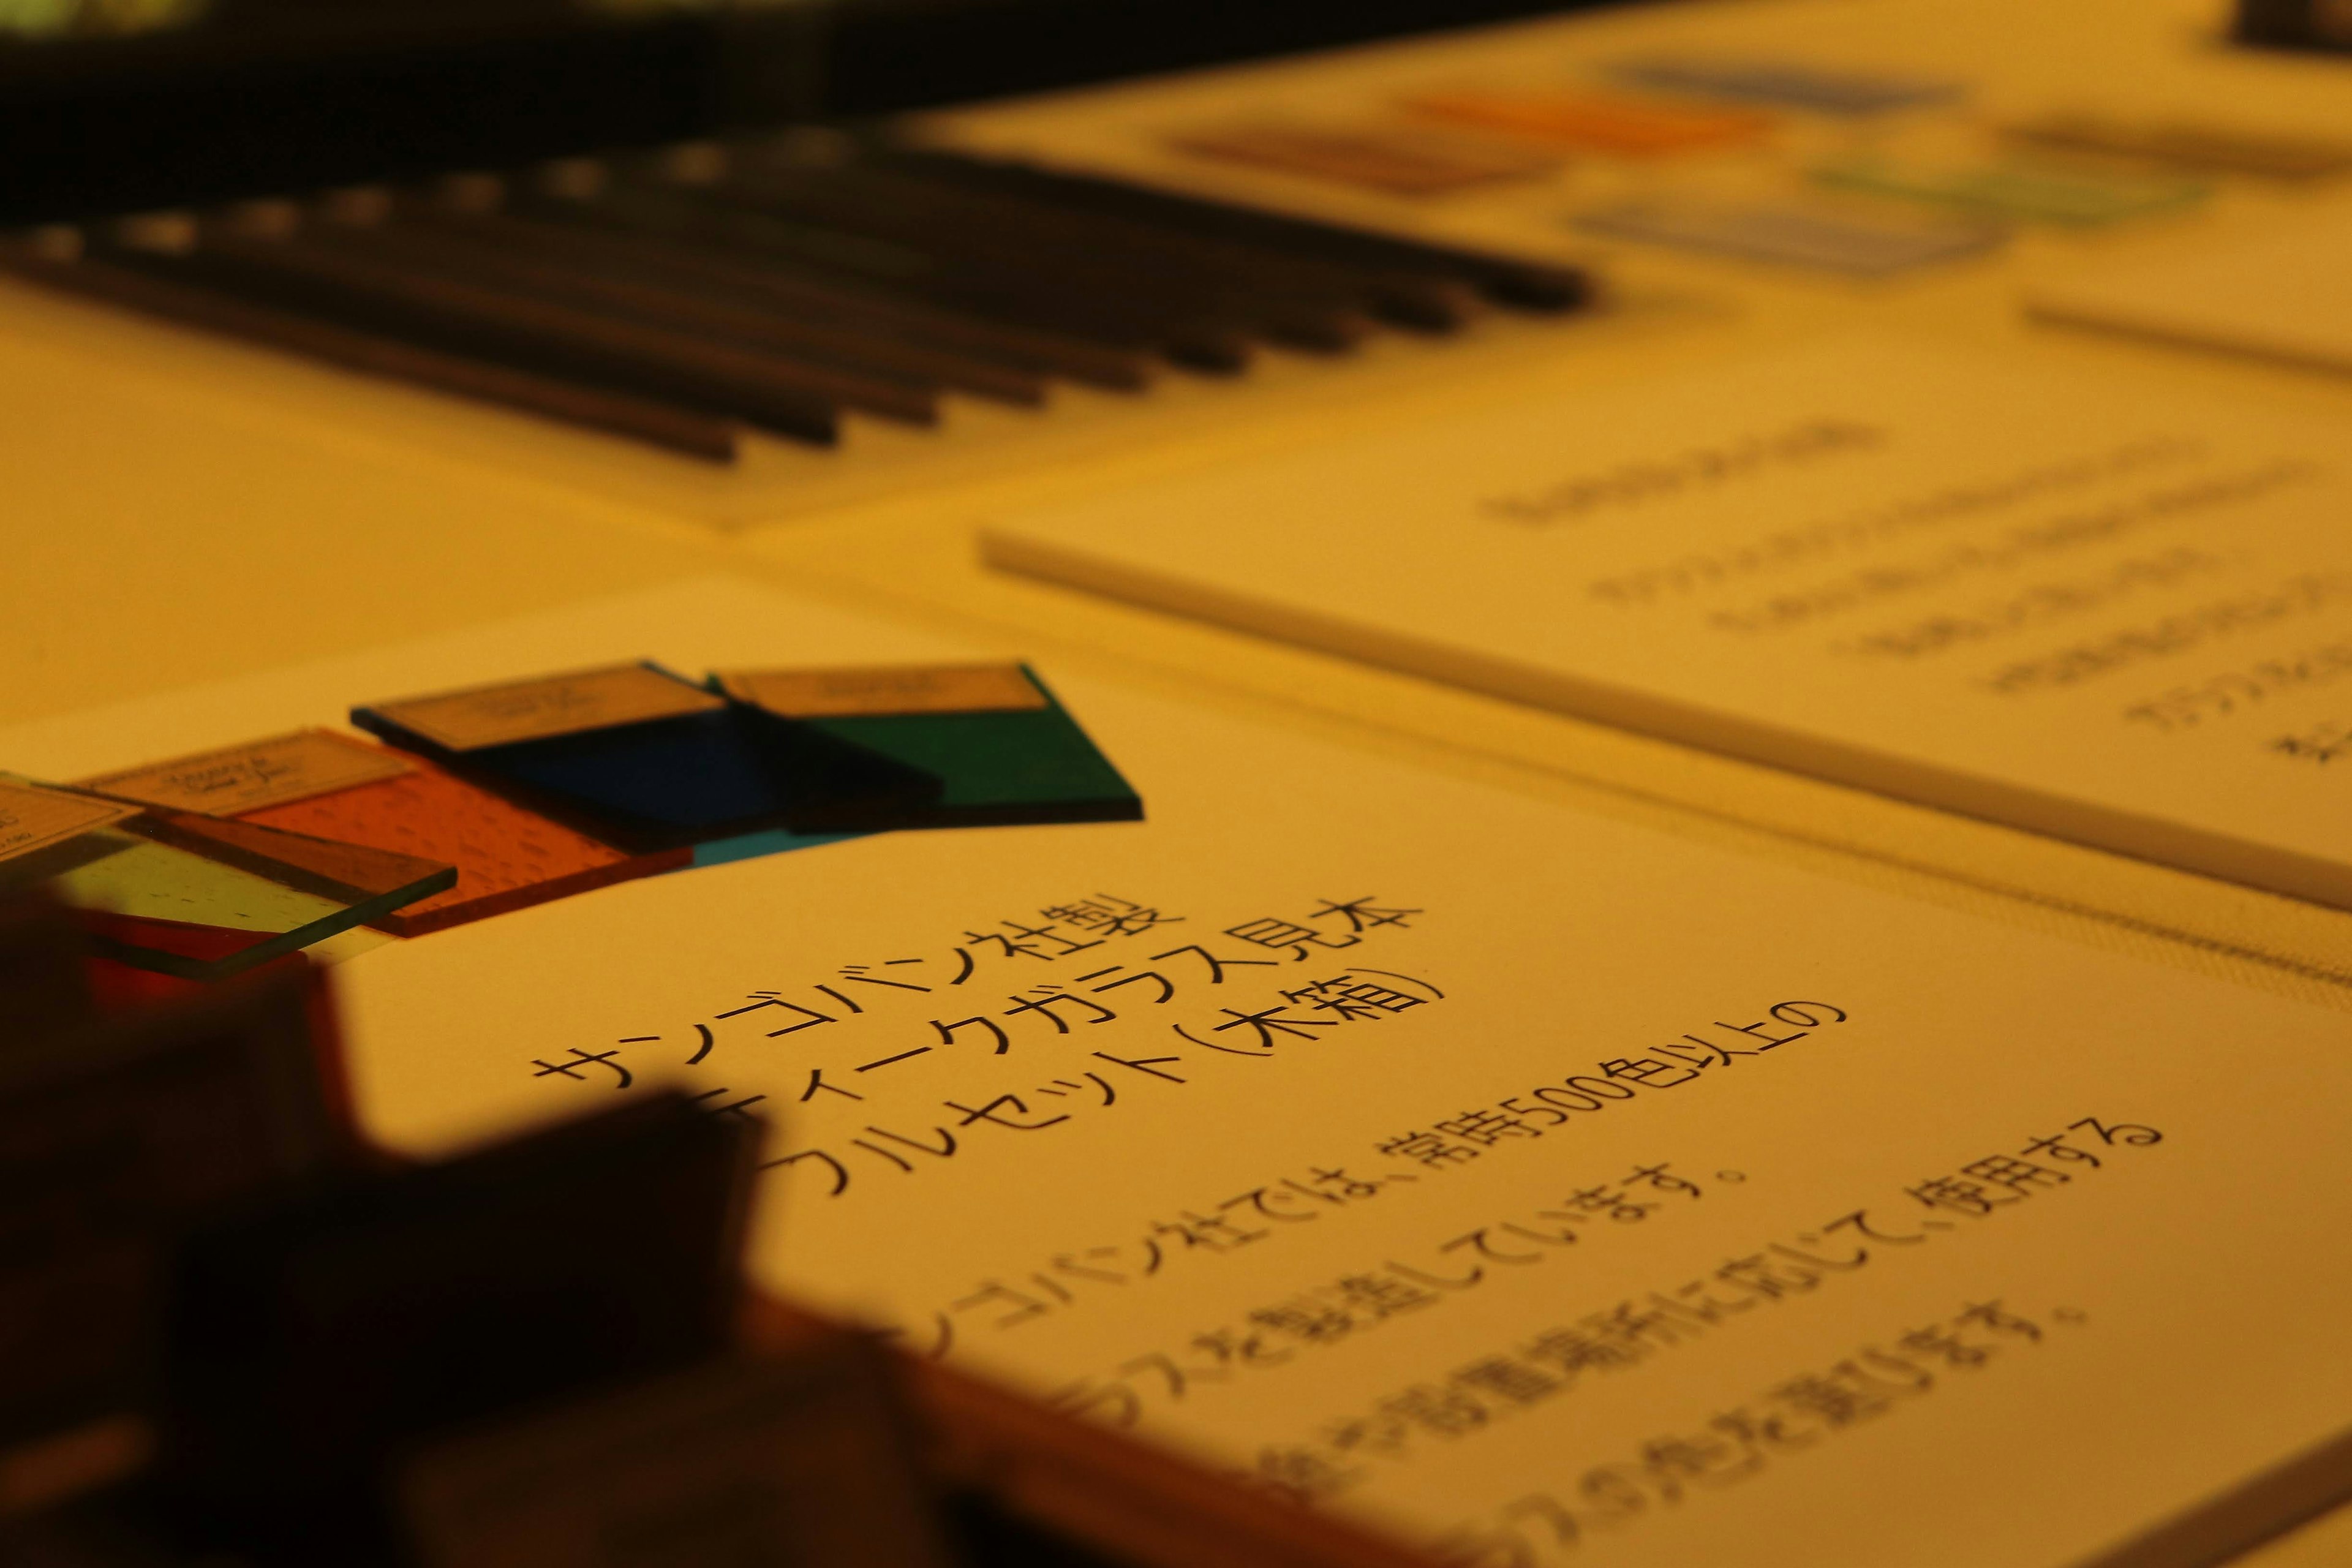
<point>2011,191</point>
<point>45,984</point>
<point>1793,236</point>
<point>1604,123</point>
<point>2220,149</point>
<point>638,758</point>
<point>818,1437</point>
<point>1397,160</point>
<point>234,780</point>
<point>1005,750</point>
<point>117,1135</point>
<point>319,1337</point>
<point>507,857</point>
<point>1826,90</point>
<point>204,896</point>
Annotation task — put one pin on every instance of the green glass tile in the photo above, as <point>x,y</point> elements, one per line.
<point>154,881</point>
<point>2018,191</point>
<point>999,766</point>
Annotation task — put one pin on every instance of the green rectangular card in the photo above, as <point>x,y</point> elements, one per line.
<point>1005,749</point>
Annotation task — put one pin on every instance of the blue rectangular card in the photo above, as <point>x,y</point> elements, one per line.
<point>647,760</point>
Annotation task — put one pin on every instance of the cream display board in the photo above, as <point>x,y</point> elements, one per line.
<point>2068,605</point>
<point>2281,291</point>
<point>1543,1189</point>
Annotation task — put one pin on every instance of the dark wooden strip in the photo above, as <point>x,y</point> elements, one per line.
<point>910,271</point>
<point>1424,301</point>
<point>1246,277</point>
<point>405,307</point>
<point>1529,285</point>
<point>1025,252</point>
<point>726,371</point>
<point>674,428</point>
<point>685,260</point>
<point>577,280</point>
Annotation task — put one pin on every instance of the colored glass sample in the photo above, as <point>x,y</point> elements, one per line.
<point>2043,195</point>
<point>687,778</point>
<point>507,857</point>
<point>1793,236</point>
<point>157,890</point>
<point>1623,125</point>
<point>998,767</point>
<point>327,866</point>
<point>34,816</point>
<point>1396,159</point>
<point>1826,90</point>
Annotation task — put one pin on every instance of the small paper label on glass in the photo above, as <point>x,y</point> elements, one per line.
<point>265,773</point>
<point>549,706</point>
<point>887,689</point>
<point>32,817</point>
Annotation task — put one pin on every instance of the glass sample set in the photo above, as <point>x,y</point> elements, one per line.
<point>1826,168</point>
<point>202,897</point>
<point>495,798</point>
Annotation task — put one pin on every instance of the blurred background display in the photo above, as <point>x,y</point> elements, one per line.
<point>108,106</point>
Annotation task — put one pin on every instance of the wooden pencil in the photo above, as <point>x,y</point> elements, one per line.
<point>672,428</point>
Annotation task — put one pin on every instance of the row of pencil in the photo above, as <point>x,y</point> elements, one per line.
<point>776,284</point>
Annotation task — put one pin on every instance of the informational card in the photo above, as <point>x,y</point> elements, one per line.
<point>2188,144</point>
<point>2073,606</point>
<point>2281,293</point>
<point>1532,1187</point>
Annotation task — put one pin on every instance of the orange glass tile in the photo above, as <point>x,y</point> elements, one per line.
<point>1399,160</point>
<point>331,868</point>
<point>1608,124</point>
<point>507,857</point>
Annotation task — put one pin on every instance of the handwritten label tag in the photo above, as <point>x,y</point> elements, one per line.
<point>32,817</point>
<point>265,772</point>
<point>887,689</point>
<point>550,705</point>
